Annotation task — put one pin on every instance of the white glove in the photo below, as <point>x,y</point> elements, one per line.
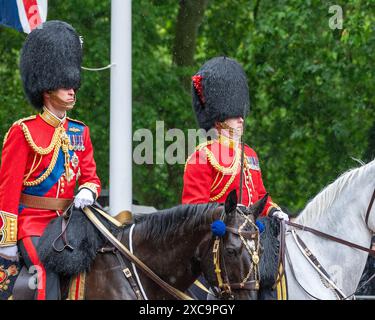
<point>9,253</point>
<point>281,215</point>
<point>83,199</point>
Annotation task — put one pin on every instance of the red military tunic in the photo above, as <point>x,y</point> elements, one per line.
<point>43,157</point>
<point>213,171</point>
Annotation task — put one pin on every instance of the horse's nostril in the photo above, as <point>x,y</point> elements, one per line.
<point>230,252</point>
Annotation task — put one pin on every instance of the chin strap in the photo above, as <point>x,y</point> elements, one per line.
<point>58,102</point>
<point>232,131</point>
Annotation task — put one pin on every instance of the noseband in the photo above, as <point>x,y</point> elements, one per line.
<point>251,241</point>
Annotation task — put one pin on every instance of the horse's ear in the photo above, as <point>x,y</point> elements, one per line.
<point>257,208</point>
<point>231,201</point>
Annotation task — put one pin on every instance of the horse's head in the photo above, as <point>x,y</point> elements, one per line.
<point>232,252</point>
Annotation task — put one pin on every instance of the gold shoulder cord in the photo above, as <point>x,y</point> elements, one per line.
<point>39,150</point>
<point>198,148</point>
<point>224,170</point>
<point>232,169</point>
<point>15,123</point>
<point>59,140</point>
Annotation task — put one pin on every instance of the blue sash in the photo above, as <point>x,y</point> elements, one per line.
<point>42,188</point>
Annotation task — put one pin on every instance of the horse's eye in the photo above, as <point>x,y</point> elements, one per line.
<point>230,252</point>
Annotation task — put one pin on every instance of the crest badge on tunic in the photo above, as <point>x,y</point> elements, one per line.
<point>71,175</point>
<point>73,129</point>
<point>75,161</point>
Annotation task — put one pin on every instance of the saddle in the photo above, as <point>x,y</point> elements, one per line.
<point>50,244</point>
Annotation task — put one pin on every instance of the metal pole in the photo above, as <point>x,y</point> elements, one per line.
<point>120,157</point>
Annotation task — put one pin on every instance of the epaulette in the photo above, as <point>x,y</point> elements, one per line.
<point>198,148</point>
<point>24,120</point>
<point>78,121</point>
<point>18,122</point>
<point>204,144</point>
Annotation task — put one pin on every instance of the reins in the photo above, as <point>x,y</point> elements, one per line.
<point>330,237</point>
<point>119,246</point>
<point>312,259</point>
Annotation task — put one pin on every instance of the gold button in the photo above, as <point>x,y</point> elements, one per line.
<point>62,191</point>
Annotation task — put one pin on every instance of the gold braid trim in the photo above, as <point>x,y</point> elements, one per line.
<point>225,170</point>
<point>59,140</point>
<point>226,187</point>
<point>52,164</point>
<point>231,170</point>
<point>216,185</point>
<point>91,186</point>
<point>8,230</point>
<point>198,147</point>
<point>18,122</point>
<point>221,169</point>
<point>39,150</point>
<point>78,121</point>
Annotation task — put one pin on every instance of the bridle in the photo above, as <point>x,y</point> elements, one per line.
<point>335,239</point>
<point>251,241</point>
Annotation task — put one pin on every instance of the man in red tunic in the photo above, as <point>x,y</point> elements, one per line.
<point>221,101</point>
<point>45,155</point>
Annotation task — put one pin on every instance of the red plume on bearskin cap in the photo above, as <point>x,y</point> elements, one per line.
<point>197,83</point>
<point>51,58</point>
<point>219,91</point>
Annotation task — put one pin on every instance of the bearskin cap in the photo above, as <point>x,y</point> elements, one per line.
<point>220,91</point>
<point>51,58</point>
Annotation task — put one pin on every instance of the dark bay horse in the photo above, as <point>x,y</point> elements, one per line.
<point>177,244</point>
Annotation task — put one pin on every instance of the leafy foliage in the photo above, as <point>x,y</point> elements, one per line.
<point>312,88</point>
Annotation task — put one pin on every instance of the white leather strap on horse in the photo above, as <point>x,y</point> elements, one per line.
<point>171,290</point>
<point>133,265</point>
<point>324,235</point>
<point>330,237</point>
<point>344,242</point>
<point>310,257</point>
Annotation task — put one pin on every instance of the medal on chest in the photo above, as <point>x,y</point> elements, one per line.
<point>76,139</point>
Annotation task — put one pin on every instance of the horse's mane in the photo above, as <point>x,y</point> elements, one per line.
<point>270,255</point>
<point>324,199</point>
<point>163,225</point>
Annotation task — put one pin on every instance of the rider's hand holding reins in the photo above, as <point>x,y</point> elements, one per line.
<point>279,214</point>
<point>9,253</point>
<point>84,198</point>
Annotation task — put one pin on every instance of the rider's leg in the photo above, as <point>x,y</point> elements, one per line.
<point>48,283</point>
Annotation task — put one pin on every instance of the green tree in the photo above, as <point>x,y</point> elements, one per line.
<point>312,88</point>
